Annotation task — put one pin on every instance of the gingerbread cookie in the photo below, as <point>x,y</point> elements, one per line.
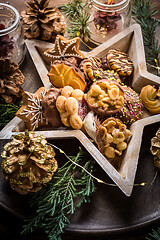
<point>105,97</point>
<point>61,75</point>
<point>49,107</point>
<point>72,107</point>
<point>64,49</point>
<point>112,137</point>
<point>31,111</point>
<point>120,62</point>
<point>150,97</point>
<point>132,109</point>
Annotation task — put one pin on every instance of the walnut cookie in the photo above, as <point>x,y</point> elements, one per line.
<point>112,137</point>
<point>105,97</point>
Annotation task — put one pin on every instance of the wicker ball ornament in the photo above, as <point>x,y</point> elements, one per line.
<point>41,21</point>
<point>28,162</point>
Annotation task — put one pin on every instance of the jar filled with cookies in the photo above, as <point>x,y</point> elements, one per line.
<point>108,17</point>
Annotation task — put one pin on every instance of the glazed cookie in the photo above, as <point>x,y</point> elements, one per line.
<point>61,75</point>
<point>31,111</point>
<point>150,97</point>
<point>105,97</point>
<point>72,107</point>
<point>132,109</point>
<point>120,62</point>
<point>64,48</point>
<point>112,137</point>
<point>91,68</point>
<point>49,107</point>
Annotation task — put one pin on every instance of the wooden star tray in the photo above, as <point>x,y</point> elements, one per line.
<point>130,41</point>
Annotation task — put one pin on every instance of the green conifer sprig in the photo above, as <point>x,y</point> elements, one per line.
<point>72,8</point>
<point>56,202</point>
<point>7,112</point>
<point>155,235</point>
<point>78,14</point>
<point>144,12</point>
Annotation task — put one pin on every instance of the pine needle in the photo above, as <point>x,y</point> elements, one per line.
<point>7,112</point>
<point>56,201</point>
<point>143,13</point>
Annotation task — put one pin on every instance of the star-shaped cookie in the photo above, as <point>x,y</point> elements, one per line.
<point>31,111</point>
<point>64,49</point>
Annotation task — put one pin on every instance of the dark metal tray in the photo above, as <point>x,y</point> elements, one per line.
<point>109,211</point>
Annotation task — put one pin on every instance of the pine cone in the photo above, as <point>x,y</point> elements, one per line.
<point>41,21</point>
<point>11,79</point>
<point>28,162</point>
<point>155,148</point>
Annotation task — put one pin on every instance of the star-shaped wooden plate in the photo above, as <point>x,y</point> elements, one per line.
<point>130,41</point>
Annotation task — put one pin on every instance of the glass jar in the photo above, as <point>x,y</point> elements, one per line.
<point>108,18</point>
<point>12,44</point>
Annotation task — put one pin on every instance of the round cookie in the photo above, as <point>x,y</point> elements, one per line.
<point>105,97</point>
<point>112,136</point>
<point>120,62</point>
<point>132,109</point>
<point>49,107</point>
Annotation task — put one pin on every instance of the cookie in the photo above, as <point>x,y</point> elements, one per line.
<point>50,111</point>
<point>65,48</point>
<point>31,111</point>
<point>120,62</point>
<point>61,75</point>
<point>133,107</point>
<point>71,62</point>
<point>105,97</point>
<point>92,68</point>
<point>150,97</point>
<point>111,138</point>
<point>72,107</point>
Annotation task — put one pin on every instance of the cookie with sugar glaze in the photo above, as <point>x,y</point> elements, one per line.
<point>32,112</point>
<point>64,49</point>
<point>132,109</point>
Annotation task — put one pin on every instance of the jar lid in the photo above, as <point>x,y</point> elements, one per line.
<point>16,21</point>
<point>119,6</point>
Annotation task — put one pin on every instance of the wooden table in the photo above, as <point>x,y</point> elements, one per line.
<point>10,225</point>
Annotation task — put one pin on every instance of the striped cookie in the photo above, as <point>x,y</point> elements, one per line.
<point>120,62</point>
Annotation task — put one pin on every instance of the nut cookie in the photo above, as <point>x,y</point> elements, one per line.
<point>105,97</point>
<point>72,107</point>
<point>112,137</point>
<point>120,62</point>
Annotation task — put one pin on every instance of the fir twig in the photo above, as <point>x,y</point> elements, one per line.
<point>144,13</point>
<point>56,202</point>
<point>7,112</point>
<point>72,8</point>
<point>155,235</point>
<point>79,20</point>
